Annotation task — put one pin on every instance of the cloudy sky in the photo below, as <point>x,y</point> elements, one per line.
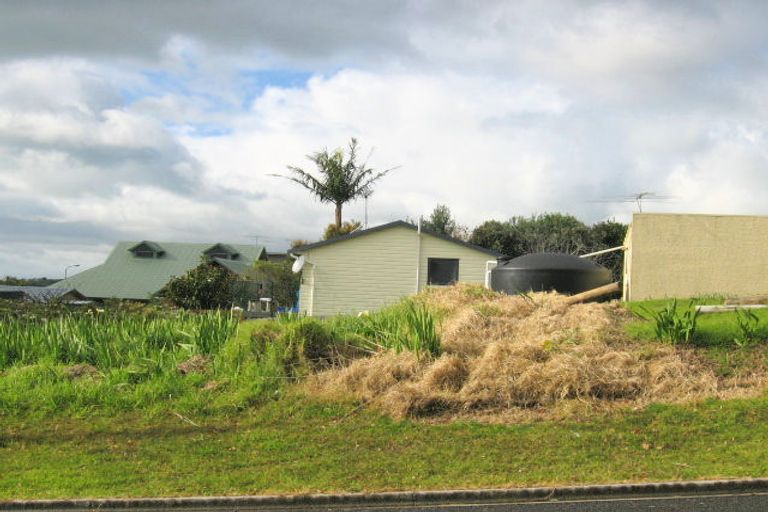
<point>130,120</point>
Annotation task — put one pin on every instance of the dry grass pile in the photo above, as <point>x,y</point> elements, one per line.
<point>195,364</point>
<point>504,353</point>
<point>82,371</point>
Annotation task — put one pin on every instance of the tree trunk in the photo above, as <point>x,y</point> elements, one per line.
<point>338,215</point>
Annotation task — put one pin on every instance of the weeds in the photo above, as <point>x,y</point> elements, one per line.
<point>674,326</point>
<point>748,325</point>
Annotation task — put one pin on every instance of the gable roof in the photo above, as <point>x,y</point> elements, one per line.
<point>389,225</point>
<point>222,248</point>
<point>125,276</point>
<point>147,245</point>
<point>241,268</point>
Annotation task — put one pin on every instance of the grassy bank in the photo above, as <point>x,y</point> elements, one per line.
<point>174,404</point>
<point>298,445</point>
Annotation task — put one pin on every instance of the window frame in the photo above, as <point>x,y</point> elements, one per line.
<point>430,262</point>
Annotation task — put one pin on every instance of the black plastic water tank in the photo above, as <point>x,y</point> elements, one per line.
<point>546,272</point>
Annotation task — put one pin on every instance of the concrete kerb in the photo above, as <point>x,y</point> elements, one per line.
<point>404,498</point>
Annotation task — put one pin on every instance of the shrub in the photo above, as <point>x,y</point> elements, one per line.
<point>206,286</point>
<point>347,227</point>
<point>313,339</point>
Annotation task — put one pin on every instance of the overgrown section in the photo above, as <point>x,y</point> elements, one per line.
<point>111,360</point>
<point>451,352</point>
<point>527,356</point>
<point>111,340</point>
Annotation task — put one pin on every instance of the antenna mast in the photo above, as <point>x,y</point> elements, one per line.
<point>636,198</point>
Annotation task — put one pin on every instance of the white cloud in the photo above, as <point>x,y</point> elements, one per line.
<point>729,178</point>
<point>434,126</point>
<point>495,109</point>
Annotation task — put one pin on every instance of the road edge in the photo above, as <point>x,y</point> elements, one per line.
<point>553,493</point>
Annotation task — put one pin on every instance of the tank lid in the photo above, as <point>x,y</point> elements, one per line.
<point>550,261</point>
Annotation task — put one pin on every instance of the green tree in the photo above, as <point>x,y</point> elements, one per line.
<point>549,232</point>
<point>606,235</point>
<point>332,231</point>
<point>340,179</point>
<point>553,232</point>
<point>499,236</point>
<point>207,286</point>
<point>440,221</point>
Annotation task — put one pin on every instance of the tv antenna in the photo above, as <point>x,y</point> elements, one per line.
<point>637,198</point>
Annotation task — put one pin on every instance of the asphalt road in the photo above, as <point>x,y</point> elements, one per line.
<point>713,503</point>
<point>749,495</point>
<point>751,502</point>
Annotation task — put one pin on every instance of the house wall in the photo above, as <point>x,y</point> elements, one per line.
<point>673,255</point>
<point>377,269</point>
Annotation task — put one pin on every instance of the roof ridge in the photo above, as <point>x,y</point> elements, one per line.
<point>389,225</point>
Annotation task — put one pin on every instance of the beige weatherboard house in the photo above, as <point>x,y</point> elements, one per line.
<point>371,268</point>
<point>685,255</point>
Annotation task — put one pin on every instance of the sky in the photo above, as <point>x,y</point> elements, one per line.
<point>137,119</point>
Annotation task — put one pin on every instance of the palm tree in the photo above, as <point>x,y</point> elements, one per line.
<point>340,180</point>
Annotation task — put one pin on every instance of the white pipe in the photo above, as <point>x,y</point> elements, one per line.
<point>418,253</point>
<point>311,309</point>
<point>488,272</point>
<point>726,308</point>
<point>604,251</point>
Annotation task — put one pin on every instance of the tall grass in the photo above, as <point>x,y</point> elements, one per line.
<point>131,360</point>
<point>108,341</point>
<point>118,360</point>
<point>673,325</point>
<point>404,326</point>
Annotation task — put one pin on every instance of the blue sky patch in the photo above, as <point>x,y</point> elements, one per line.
<point>254,81</point>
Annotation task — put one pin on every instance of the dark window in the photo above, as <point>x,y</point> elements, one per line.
<point>144,254</point>
<point>442,271</point>
<point>220,255</point>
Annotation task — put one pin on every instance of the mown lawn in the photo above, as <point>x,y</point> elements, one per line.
<point>296,445</point>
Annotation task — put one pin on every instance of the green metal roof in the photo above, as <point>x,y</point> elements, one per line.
<point>239,267</point>
<point>125,276</point>
<point>219,248</point>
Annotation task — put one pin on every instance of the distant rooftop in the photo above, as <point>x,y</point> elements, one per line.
<point>138,270</point>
